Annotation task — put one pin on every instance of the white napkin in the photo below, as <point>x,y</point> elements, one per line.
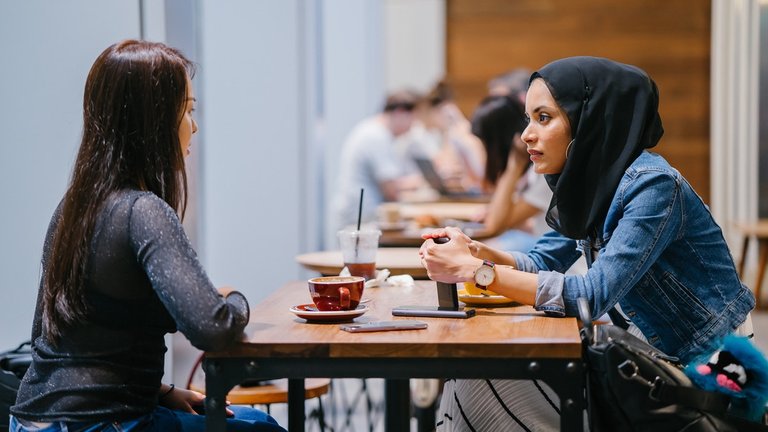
<point>401,280</point>
<point>381,277</point>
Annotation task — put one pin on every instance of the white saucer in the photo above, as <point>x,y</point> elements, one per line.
<point>310,313</point>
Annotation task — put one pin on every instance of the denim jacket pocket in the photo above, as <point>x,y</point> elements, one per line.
<point>685,300</point>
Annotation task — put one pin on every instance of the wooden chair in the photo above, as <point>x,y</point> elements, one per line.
<point>267,393</point>
<point>758,230</point>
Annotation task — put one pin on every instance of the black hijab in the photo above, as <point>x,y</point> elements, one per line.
<point>613,112</point>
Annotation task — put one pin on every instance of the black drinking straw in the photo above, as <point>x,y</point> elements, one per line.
<point>360,209</point>
<point>359,217</point>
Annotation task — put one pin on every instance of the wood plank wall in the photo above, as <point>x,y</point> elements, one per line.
<point>668,39</point>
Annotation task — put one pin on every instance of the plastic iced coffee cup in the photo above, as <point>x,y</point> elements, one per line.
<point>358,247</point>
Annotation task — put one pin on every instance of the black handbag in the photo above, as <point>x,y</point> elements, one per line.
<point>632,386</point>
<point>13,366</point>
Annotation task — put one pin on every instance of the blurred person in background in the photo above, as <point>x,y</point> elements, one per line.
<point>370,161</point>
<point>513,83</point>
<point>443,134</point>
<point>520,196</point>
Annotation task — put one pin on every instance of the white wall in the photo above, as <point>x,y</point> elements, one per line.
<point>352,80</point>
<point>414,43</point>
<point>250,143</point>
<point>47,48</point>
<point>734,116</point>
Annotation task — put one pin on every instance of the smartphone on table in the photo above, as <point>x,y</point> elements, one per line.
<point>374,326</point>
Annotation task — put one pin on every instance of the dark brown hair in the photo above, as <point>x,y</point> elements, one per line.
<point>440,93</point>
<point>496,122</point>
<point>133,104</point>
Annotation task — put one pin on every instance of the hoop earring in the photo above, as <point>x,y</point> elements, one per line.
<point>568,149</point>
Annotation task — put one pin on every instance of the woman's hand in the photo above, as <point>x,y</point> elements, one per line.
<point>183,400</point>
<point>225,290</point>
<point>518,156</point>
<point>451,262</point>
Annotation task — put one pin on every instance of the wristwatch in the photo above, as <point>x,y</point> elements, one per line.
<point>485,275</point>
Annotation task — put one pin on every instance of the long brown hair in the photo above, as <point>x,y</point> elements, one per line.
<point>134,101</point>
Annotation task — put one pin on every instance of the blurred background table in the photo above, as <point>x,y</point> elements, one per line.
<point>415,218</point>
<point>758,230</point>
<point>398,260</point>
<point>412,237</point>
<point>465,211</point>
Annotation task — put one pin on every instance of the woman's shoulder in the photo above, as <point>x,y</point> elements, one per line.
<point>651,164</point>
<point>142,204</point>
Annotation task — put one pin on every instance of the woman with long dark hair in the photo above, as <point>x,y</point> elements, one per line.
<point>661,264</point>
<point>118,270</point>
<point>520,195</point>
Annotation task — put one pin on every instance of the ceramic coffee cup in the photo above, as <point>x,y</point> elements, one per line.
<point>336,293</point>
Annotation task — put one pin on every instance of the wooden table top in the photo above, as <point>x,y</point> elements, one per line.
<point>499,332</point>
<point>398,260</point>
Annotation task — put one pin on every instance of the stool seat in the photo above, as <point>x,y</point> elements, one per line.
<point>758,230</point>
<point>271,392</point>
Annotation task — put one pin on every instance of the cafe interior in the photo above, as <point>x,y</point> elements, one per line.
<point>281,83</point>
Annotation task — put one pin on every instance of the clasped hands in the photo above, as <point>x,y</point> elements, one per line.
<point>188,401</point>
<point>452,262</point>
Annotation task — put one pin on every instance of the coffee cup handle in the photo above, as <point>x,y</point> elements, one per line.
<point>344,297</point>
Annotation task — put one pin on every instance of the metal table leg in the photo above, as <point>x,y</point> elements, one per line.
<point>397,414</point>
<point>296,411</point>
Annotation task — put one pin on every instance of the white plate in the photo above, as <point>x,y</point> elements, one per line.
<point>310,313</point>
<point>471,299</point>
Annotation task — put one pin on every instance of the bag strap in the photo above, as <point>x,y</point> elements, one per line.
<point>616,317</point>
<point>693,397</point>
<point>703,400</point>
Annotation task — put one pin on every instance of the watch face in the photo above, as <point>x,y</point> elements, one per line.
<point>485,275</point>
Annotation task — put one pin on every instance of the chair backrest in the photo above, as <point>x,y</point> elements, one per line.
<point>13,366</point>
<point>9,386</point>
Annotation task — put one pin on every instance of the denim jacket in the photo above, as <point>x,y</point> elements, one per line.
<point>663,259</point>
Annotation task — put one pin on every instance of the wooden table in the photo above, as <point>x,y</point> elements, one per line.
<point>465,211</point>
<point>412,238</point>
<point>758,230</point>
<point>442,214</point>
<point>397,260</point>
<point>509,343</point>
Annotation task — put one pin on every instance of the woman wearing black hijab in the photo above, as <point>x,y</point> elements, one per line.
<point>663,262</point>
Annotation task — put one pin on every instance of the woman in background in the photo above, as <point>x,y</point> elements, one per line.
<point>661,264</point>
<point>520,196</point>
<point>118,270</point>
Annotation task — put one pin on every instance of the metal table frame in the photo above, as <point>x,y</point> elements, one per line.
<point>564,375</point>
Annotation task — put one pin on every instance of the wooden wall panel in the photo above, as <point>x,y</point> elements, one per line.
<point>668,39</point>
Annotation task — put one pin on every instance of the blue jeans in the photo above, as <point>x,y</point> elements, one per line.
<point>163,419</point>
